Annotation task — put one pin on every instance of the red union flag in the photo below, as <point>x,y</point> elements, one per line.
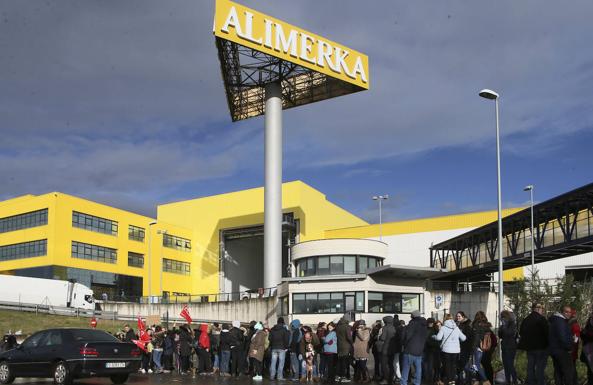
<point>144,337</point>
<point>185,314</point>
<point>140,344</point>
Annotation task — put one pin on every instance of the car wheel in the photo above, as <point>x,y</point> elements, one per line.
<point>119,378</point>
<point>6,376</point>
<point>62,375</point>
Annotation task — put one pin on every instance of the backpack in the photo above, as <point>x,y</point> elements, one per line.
<point>486,342</point>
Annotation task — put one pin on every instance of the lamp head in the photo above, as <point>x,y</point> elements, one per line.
<point>488,94</point>
<point>528,188</point>
<point>375,198</point>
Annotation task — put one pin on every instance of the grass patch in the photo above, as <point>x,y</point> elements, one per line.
<point>29,322</point>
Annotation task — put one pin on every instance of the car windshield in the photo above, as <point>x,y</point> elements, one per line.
<point>92,335</point>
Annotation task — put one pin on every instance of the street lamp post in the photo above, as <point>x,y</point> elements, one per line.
<point>380,198</point>
<point>150,260</point>
<point>530,189</point>
<point>491,95</point>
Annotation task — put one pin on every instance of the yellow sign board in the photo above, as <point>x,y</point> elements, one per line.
<point>271,36</point>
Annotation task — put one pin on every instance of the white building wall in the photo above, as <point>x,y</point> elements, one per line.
<point>556,268</point>
<point>413,249</point>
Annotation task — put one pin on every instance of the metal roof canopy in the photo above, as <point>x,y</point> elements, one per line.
<point>401,271</point>
<point>246,71</point>
<point>568,217</point>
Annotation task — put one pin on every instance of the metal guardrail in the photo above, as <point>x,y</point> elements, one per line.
<point>57,310</point>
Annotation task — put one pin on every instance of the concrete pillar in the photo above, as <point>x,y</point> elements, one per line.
<point>273,186</point>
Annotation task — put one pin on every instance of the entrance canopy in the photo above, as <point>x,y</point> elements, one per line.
<point>255,49</point>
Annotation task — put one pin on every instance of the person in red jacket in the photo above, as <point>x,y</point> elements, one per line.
<point>204,363</point>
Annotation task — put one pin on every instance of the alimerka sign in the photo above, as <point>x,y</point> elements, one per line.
<point>271,36</point>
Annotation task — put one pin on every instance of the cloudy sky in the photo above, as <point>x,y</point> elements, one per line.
<point>122,102</point>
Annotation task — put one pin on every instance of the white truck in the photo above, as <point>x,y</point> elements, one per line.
<point>50,292</point>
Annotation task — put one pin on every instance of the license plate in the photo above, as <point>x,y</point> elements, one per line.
<point>115,365</point>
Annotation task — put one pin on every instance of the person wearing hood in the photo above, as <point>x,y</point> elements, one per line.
<point>362,335</point>
<point>237,338</point>
<point>204,361</point>
<point>279,341</point>
<point>413,341</point>
<point>450,336</point>
<point>507,332</point>
<point>257,349</point>
<point>383,345</point>
<point>294,346</point>
<point>560,339</point>
<point>344,347</point>
<point>185,347</point>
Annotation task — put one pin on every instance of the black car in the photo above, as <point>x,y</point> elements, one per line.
<point>65,354</point>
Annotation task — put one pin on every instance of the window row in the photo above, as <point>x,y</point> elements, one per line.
<point>92,223</point>
<point>177,267</point>
<point>336,264</point>
<point>135,259</point>
<point>136,233</point>
<point>93,252</point>
<point>177,243</point>
<point>341,302</point>
<point>23,221</point>
<point>23,250</point>
<point>321,303</point>
<point>393,302</point>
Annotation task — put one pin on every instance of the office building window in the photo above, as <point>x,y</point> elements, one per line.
<point>176,267</point>
<point>93,252</point>
<point>135,259</point>
<point>92,223</point>
<point>176,243</point>
<point>394,302</point>
<point>23,250</point>
<point>325,303</point>
<point>136,233</point>
<point>23,221</point>
<point>336,265</point>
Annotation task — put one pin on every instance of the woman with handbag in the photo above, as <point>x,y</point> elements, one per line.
<point>450,336</point>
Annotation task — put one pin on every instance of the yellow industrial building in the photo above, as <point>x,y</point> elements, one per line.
<point>197,247</point>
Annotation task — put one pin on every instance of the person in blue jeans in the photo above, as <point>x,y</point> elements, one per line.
<point>413,341</point>
<point>296,335</point>
<point>226,341</point>
<point>279,338</point>
<point>481,327</point>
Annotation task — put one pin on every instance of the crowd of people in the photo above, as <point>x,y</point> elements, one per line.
<point>456,350</point>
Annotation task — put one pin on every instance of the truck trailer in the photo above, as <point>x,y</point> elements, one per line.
<point>41,291</point>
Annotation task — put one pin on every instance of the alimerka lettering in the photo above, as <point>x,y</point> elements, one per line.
<point>301,46</point>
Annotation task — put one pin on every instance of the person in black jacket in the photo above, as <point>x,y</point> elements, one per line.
<point>533,338</point>
<point>375,331</point>
<point>560,339</point>
<point>508,334</point>
<point>383,345</point>
<point>395,348</point>
<point>236,342</point>
<point>465,325</point>
<point>587,351</point>
<point>413,341</point>
<point>129,334</point>
<point>279,340</point>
